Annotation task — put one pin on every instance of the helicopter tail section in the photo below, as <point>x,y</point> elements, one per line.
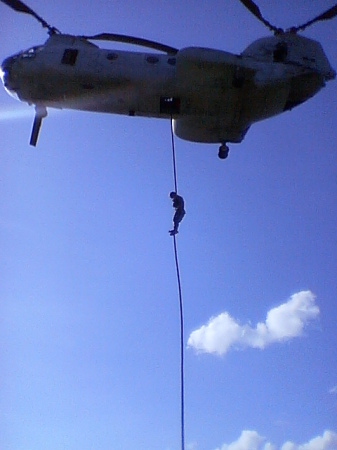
<point>293,52</point>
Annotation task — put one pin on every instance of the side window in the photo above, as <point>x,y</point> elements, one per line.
<point>69,56</point>
<point>111,56</point>
<point>172,61</point>
<point>152,59</point>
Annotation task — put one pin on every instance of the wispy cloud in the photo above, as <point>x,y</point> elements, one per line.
<point>251,440</point>
<point>333,390</point>
<point>15,113</point>
<point>282,323</point>
<point>192,446</point>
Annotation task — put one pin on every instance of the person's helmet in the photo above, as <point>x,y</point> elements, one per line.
<point>173,194</point>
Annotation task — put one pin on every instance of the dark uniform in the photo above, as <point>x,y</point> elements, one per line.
<point>178,205</point>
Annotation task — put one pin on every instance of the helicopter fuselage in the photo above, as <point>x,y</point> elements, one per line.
<point>213,96</point>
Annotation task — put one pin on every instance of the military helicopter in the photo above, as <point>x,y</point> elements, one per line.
<point>212,96</point>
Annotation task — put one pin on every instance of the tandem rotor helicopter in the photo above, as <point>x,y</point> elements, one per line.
<point>212,96</point>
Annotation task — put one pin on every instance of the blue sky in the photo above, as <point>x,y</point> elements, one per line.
<point>89,309</point>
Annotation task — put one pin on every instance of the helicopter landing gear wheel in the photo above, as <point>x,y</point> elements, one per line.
<point>223,151</point>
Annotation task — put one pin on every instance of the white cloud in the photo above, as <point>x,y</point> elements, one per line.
<point>251,440</point>
<point>282,323</point>
<point>328,441</point>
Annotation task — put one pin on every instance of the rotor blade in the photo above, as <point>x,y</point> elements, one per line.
<point>132,40</point>
<point>19,6</point>
<point>254,9</point>
<point>327,15</point>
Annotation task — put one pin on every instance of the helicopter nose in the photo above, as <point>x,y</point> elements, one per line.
<point>6,71</point>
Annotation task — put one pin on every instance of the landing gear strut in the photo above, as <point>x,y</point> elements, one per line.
<point>223,151</point>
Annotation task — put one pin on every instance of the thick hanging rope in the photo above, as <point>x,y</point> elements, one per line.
<point>182,388</point>
<point>174,158</point>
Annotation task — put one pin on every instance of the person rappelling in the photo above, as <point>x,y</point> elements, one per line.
<point>179,206</point>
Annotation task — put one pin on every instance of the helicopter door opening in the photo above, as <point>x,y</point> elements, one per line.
<point>169,105</point>
<point>69,56</point>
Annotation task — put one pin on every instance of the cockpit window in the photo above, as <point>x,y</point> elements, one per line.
<point>31,53</point>
<point>69,56</point>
